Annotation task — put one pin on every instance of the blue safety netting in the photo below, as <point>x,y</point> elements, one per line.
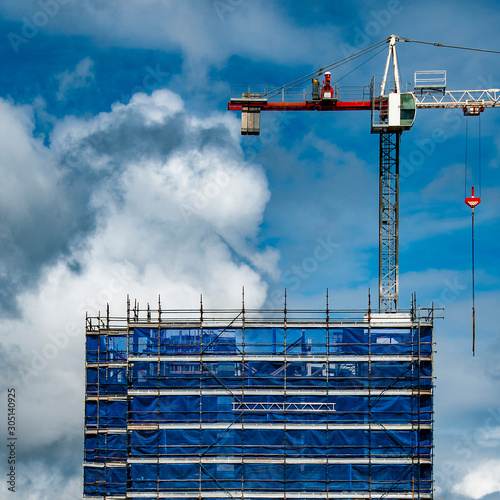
<point>107,381</point>
<point>99,481</point>
<point>309,443</point>
<point>294,341</point>
<point>104,446</point>
<point>267,375</point>
<point>105,347</point>
<point>278,477</point>
<point>106,414</point>
<point>266,409</point>
<point>147,341</point>
<point>322,416</point>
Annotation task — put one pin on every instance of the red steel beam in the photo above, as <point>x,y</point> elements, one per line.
<point>302,106</point>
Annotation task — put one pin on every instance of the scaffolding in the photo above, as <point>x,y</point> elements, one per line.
<point>259,404</point>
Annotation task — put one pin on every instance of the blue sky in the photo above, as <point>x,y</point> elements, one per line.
<point>123,172</point>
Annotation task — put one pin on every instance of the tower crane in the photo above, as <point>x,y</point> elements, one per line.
<point>393,110</point>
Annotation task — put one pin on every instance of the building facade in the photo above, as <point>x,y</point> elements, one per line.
<point>242,404</point>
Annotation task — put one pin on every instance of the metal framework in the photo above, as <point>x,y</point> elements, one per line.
<point>458,99</point>
<point>352,99</point>
<point>389,221</point>
<point>259,404</point>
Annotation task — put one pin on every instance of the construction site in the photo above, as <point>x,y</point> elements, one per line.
<point>259,404</point>
<point>276,404</point>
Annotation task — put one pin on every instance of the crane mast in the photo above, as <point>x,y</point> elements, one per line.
<point>388,225</point>
<point>393,111</point>
<point>389,221</point>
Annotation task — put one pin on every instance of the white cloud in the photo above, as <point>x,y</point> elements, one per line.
<point>37,218</point>
<point>483,480</point>
<point>27,174</point>
<point>205,33</point>
<point>199,193</point>
<point>45,479</point>
<point>172,217</point>
<point>82,76</point>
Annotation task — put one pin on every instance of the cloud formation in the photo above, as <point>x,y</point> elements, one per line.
<point>178,182</point>
<point>82,76</point>
<point>38,218</point>
<point>483,480</point>
<point>176,212</point>
<point>222,27</point>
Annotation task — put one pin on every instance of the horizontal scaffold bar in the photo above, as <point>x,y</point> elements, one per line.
<point>105,398</point>
<point>271,426</point>
<point>101,465</point>
<point>106,431</point>
<point>283,460</point>
<point>276,392</point>
<point>289,324</point>
<point>108,364</point>
<point>281,425</point>
<point>219,322</point>
<point>283,495</point>
<point>210,358</point>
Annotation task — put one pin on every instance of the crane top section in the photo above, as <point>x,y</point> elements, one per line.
<point>393,104</point>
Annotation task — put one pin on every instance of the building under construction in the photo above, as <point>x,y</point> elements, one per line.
<point>259,405</point>
<point>280,404</point>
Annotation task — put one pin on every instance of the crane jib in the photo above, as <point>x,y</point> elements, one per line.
<point>301,106</point>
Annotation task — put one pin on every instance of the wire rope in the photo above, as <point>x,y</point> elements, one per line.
<point>437,44</point>
<point>479,155</point>
<point>320,71</point>
<point>359,66</point>
<point>466,154</point>
<point>473,178</point>
<point>473,293</point>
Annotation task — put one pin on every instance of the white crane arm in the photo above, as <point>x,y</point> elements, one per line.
<point>458,99</point>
